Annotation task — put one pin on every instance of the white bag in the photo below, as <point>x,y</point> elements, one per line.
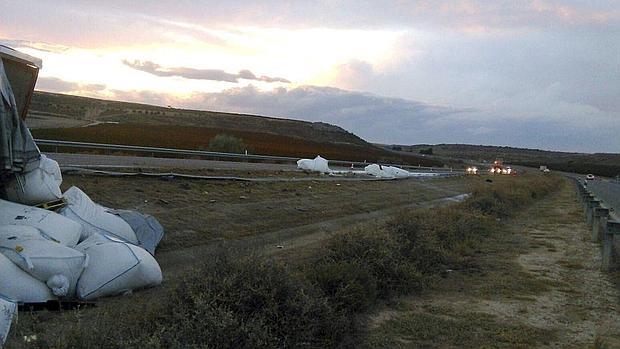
<point>115,267</point>
<point>317,165</point>
<point>36,186</point>
<point>55,226</point>
<point>95,218</point>
<point>396,172</point>
<point>8,308</point>
<point>377,171</point>
<point>18,286</point>
<point>47,261</point>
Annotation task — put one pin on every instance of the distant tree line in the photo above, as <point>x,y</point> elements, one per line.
<point>577,167</point>
<point>427,151</point>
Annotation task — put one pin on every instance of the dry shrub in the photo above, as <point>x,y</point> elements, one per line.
<point>251,302</point>
<point>502,197</point>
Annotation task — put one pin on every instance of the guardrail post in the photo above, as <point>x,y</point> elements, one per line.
<point>611,229</point>
<point>592,205</point>
<point>586,202</point>
<point>581,189</point>
<point>601,214</point>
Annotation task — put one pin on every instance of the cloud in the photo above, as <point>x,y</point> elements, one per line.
<point>539,73</point>
<point>39,46</point>
<point>52,84</point>
<point>198,74</point>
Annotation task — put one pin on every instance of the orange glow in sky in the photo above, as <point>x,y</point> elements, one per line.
<point>303,56</point>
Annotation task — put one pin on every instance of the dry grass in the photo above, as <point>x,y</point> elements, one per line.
<point>244,302</point>
<point>198,138</point>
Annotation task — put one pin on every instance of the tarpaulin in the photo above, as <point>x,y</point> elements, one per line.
<point>18,151</point>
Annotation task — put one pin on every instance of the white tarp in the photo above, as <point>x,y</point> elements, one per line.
<point>377,171</point>
<point>57,227</point>
<point>18,152</point>
<point>47,261</point>
<point>148,230</point>
<point>115,268</point>
<point>17,285</point>
<point>36,186</point>
<point>318,164</point>
<point>95,219</point>
<point>396,172</point>
<point>391,172</point>
<point>8,309</point>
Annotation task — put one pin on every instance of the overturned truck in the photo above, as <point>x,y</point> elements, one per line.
<point>54,245</point>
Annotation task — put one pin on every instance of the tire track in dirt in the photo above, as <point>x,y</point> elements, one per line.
<point>174,262</point>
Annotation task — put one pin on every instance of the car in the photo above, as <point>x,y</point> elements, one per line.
<point>590,177</point>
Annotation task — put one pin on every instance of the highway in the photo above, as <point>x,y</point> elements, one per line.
<point>114,161</point>
<point>608,191</point>
<point>146,163</point>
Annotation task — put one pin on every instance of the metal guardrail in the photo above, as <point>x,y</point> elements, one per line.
<point>210,154</point>
<point>605,228</point>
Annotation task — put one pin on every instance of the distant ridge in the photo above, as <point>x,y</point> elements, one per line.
<point>602,164</point>
<point>75,118</point>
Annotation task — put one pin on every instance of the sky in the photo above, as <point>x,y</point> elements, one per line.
<point>533,73</point>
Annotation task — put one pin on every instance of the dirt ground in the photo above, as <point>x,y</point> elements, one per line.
<point>201,215</point>
<point>536,284</point>
<point>285,219</point>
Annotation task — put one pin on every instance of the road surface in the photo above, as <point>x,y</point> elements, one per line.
<point>609,192</point>
<point>119,162</point>
<point>112,161</point>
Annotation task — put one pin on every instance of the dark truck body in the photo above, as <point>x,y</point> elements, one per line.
<point>22,71</point>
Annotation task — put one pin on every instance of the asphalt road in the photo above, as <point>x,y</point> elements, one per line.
<point>119,162</point>
<point>113,161</point>
<point>608,191</point>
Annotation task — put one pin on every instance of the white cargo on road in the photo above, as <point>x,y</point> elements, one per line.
<point>94,218</point>
<point>36,186</point>
<point>55,226</point>
<point>8,309</point>
<point>47,261</point>
<point>378,171</point>
<point>19,286</point>
<point>396,172</point>
<point>317,164</point>
<point>115,267</point>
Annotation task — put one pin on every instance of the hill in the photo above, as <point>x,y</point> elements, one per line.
<point>74,118</point>
<point>602,164</point>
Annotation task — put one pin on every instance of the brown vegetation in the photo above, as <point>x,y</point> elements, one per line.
<point>197,138</point>
<point>250,302</point>
<point>600,164</point>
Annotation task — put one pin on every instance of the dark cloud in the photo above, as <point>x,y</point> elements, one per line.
<point>198,74</point>
<point>539,73</point>
<point>58,85</point>
<point>395,120</point>
<point>452,14</point>
<point>39,46</point>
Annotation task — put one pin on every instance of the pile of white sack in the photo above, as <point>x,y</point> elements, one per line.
<point>392,172</point>
<point>83,251</point>
<point>321,165</point>
<point>317,164</point>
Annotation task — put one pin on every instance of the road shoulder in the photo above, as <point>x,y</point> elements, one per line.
<point>536,283</point>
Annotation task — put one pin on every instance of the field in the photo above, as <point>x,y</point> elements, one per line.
<point>328,262</point>
<point>197,138</point>
<point>201,217</point>
<point>65,117</point>
<point>536,284</point>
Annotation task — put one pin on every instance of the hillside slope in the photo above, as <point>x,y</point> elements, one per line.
<point>46,106</point>
<point>74,118</point>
